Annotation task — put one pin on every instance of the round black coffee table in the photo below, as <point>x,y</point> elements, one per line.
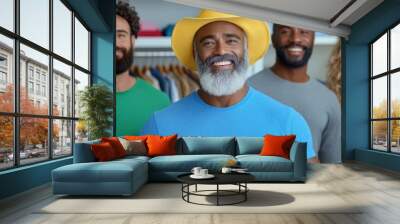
<point>238,179</point>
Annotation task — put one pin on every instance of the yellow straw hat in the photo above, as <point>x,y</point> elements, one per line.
<point>257,35</point>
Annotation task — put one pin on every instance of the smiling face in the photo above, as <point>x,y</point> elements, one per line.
<point>220,50</point>
<point>124,45</point>
<point>293,45</point>
<point>220,45</point>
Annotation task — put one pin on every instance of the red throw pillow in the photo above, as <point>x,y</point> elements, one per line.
<point>103,151</point>
<point>277,145</point>
<point>116,145</point>
<point>161,145</point>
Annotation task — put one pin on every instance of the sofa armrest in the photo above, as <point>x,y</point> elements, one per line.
<point>298,155</point>
<point>83,152</point>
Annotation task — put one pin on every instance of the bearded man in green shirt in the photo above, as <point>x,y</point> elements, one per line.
<point>136,99</point>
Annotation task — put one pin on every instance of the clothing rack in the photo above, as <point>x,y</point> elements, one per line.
<point>154,58</point>
<point>161,69</point>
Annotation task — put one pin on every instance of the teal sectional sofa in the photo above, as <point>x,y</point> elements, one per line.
<point>125,176</point>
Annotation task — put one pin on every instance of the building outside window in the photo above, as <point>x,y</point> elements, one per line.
<point>3,61</point>
<point>44,91</point>
<point>30,87</point>
<point>43,78</point>
<point>30,72</point>
<point>3,78</point>
<point>38,89</point>
<point>3,72</point>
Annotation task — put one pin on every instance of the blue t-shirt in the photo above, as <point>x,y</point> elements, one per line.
<point>254,116</point>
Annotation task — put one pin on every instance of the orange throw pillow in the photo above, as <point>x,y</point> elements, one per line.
<point>134,138</point>
<point>103,151</point>
<point>277,145</point>
<point>161,145</point>
<point>116,145</point>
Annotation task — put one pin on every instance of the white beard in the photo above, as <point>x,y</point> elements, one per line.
<point>223,83</point>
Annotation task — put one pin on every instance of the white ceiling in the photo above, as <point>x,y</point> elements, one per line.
<point>328,16</point>
<point>326,10</point>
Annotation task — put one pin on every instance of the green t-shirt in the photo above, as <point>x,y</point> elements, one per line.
<point>135,106</point>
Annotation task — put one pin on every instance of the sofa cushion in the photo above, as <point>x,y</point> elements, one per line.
<point>185,163</point>
<point>257,163</point>
<point>133,158</point>
<point>249,145</point>
<point>207,145</point>
<point>111,171</point>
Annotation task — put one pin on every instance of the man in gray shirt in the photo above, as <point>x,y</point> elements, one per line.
<point>288,82</point>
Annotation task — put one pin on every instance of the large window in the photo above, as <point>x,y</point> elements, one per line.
<point>385,91</point>
<point>44,64</point>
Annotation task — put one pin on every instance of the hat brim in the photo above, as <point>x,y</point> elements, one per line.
<point>257,35</point>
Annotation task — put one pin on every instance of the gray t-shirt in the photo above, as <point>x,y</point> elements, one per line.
<point>318,105</point>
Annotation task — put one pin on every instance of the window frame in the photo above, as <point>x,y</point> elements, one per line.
<point>16,115</point>
<point>388,74</point>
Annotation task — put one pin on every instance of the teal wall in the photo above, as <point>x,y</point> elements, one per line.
<point>103,58</point>
<point>24,178</point>
<point>98,15</point>
<point>355,69</point>
<point>380,159</point>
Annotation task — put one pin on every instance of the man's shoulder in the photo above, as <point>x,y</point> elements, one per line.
<point>264,74</point>
<point>322,90</point>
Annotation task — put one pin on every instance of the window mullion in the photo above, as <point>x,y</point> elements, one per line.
<point>389,101</point>
<point>371,89</point>
<point>73,82</point>
<point>50,87</point>
<point>16,84</point>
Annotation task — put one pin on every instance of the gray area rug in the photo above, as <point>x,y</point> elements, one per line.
<point>166,198</point>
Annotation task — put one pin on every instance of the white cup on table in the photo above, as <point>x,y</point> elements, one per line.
<point>196,170</point>
<point>203,172</point>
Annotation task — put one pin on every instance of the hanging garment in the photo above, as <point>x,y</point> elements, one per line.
<point>154,82</point>
<point>183,80</point>
<point>178,84</point>
<point>156,74</point>
<point>168,85</point>
<point>193,75</point>
<point>192,84</point>
<point>174,89</point>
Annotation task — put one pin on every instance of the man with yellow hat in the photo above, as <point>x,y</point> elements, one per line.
<point>220,47</point>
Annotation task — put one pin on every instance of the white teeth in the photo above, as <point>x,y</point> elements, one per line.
<point>295,49</point>
<point>222,63</point>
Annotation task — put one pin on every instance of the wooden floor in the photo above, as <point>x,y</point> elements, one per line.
<point>378,188</point>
